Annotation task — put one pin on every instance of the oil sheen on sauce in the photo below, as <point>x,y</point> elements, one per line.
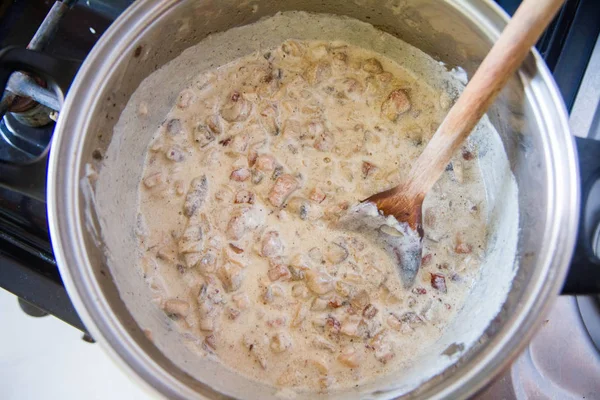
<point>241,191</point>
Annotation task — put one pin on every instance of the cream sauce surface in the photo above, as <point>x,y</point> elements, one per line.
<point>242,188</point>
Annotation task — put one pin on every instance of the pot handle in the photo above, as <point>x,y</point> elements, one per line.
<point>584,271</point>
<point>30,177</point>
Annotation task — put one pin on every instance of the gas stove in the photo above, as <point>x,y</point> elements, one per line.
<point>563,360</point>
<point>67,29</point>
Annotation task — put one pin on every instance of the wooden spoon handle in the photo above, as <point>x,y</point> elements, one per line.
<point>507,54</point>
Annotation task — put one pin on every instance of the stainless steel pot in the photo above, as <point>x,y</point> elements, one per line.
<point>529,116</point>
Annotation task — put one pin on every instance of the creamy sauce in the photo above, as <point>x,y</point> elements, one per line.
<point>242,188</point>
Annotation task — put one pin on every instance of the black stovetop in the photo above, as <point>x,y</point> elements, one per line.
<point>27,266</point>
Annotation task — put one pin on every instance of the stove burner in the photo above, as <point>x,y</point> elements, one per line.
<point>21,114</point>
<point>30,141</point>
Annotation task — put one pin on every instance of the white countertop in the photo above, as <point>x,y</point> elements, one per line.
<point>44,358</point>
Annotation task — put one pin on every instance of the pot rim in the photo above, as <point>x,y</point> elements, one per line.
<point>66,231</point>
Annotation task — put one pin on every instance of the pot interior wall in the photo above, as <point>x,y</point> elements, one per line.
<point>435,27</point>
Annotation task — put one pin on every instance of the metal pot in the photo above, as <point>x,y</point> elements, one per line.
<point>529,116</point>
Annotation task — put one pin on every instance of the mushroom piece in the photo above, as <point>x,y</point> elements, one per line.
<point>279,271</point>
<point>153,180</point>
<point>300,314</point>
<point>395,105</point>
<point>317,195</point>
<point>191,240</point>
<point>195,196</point>
<point>384,350</point>
<point>349,357</point>
<point>203,136</point>
<point>293,48</point>
<point>360,300</point>
<point>174,127</point>
<point>236,109</point>
<point>321,343</point>
<point>336,253</point>
<point>271,245</point>
<point>319,282</point>
<point>176,307</point>
<point>318,72</point>
<point>213,123</point>
<point>269,121</point>
<point>283,187</point>
<point>185,99</point>
<point>350,325</point>
<point>372,66</point>
<point>324,141</point>
<point>244,196</point>
<point>240,175</point>
<point>353,87</point>
<point>242,221</point>
<point>281,342</point>
<point>370,311</point>
<point>231,276</point>
<point>265,163</point>
<point>175,154</point>
<point>438,281</point>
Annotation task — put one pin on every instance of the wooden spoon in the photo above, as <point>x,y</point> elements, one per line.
<point>404,201</point>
